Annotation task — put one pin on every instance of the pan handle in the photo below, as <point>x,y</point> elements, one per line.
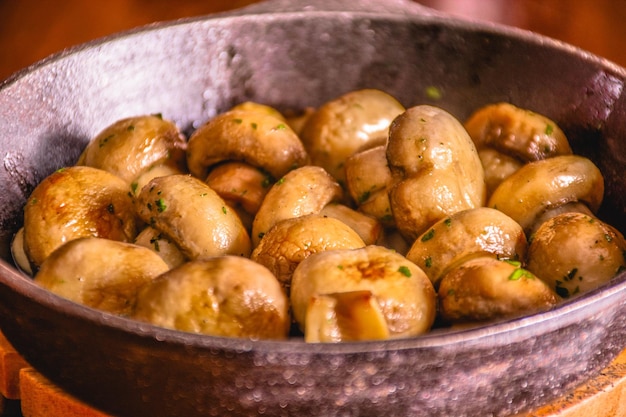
<point>402,7</point>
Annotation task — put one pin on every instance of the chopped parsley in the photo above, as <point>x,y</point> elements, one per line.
<point>428,235</point>
<point>404,270</point>
<point>160,205</point>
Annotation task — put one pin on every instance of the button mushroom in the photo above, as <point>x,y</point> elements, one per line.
<point>399,289</point>
<point>133,147</point>
<point>290,241</point>
<point>163,246</point>
<point>350,123</point>
<point>435,169</point>
<point>487,289</point>
<point>193,216</point>
<point>220,296</point>
<point>507,137</point>
<point>100,273</point>
<point>258,138</point>
<point>76,202</point>
<point>575,253</point>
<point>469,233</point>
<point>547,187</point>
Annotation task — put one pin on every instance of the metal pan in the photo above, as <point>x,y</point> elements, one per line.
<point>291,55</point>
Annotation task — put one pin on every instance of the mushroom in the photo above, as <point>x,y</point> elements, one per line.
<point>575,253</point>
<point>486,289</point>
<point>544,188</point>
<point>353,122</point>
<point>133,147</point>
<point>258,138</point>
<point>367,180</point>
<point>193,216</point>
<point>290,241</point>
<point>221,296</point>
<point>163,246</point>
<point>464,235</point>
<point>507,137</point>
<point>387,282</point>
<point>242,186</point>
<point>76,202</point>
<point>100,273</point>
<point>435,169</point>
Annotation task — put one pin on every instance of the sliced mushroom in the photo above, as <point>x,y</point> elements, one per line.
<point>516,135</point>
<point>401,289</point>
<point>222,296</point>
<point>100,273</point>
<point>303,191</point>
<point>291,241</point>
<point>193,216</point>
<point>487,289</point>
<point>435,168</point>
<point>575,253</point>
<point>469,233</point>
<point>541,188</point>
<point>257,138</point>
<point>77,202</point>
<point>355,121</point>
<point>134,146</point>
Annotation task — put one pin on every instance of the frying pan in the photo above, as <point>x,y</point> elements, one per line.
<point>291,55</point>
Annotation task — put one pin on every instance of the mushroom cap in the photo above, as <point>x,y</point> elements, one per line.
<point>221,296</point>
<point>291,241</point>
<point>100,273</point>
<point>257,138</point>
<point>353,122</point>
<point>403,291</point>
<point>75,202</point>
<point>469,233</point>
<point>303,191</point>
<point>193,216</point>
<point>575,253</point>
<point>435,168</point>
<point>487,289</point>
<point>547,184</point>
<point>132,146</point>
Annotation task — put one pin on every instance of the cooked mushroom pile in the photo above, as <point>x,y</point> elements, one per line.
<point>358,220</point>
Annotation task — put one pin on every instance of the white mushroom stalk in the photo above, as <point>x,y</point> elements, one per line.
<point>400,291</point>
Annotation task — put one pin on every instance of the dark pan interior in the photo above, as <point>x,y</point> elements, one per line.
<point>189,71</point>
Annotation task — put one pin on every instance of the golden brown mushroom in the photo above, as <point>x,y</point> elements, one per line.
<point>76,202</point>
<point>221,296</point>
<point>487,289</point>
<point>290,241</point>
<point>543,188</point>
<point>100,273</point>
<point>193,216</point>
<point>258,138</point>
<point>435,169</point>
<point>355,121</point>
<point>575,253</point>
<point>464,235</point>
<point>507,137</point>
<point>399,289</point>
<point>136,149</point>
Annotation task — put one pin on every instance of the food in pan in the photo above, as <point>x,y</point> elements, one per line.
<point>359,220</point>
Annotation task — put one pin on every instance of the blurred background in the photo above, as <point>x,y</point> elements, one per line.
<point>33,29</point>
